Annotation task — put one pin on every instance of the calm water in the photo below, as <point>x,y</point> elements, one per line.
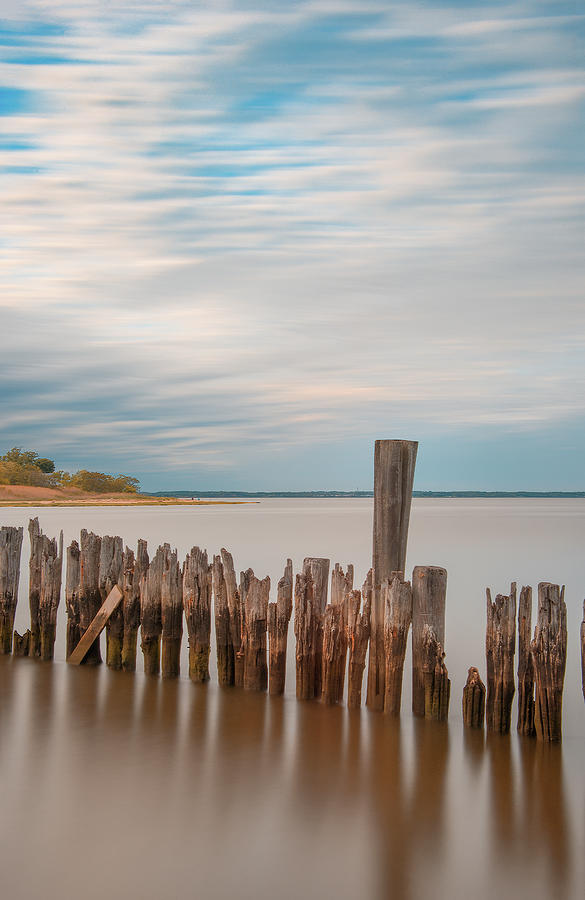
<point>116,785</point>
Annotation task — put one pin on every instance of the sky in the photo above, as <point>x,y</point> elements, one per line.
<point>239,241</point>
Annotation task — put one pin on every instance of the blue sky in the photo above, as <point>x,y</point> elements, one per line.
<point>241,240</point>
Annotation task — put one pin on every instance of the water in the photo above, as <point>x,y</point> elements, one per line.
<point>117,785</point>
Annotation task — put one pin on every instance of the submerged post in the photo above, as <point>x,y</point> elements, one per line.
<point>394,463</point>
<point>429,591</point>
<point>549,655</point>
<point>500,644</point>
<point>10,547</point>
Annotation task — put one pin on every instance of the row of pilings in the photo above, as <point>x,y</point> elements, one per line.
<point>333,625</point>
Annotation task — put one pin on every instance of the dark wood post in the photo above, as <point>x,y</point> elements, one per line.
<point>254,643</point>
<point>197,591</point>
<point>34,585</point>
<point>437,687</point>
<point>50,595</point>
<point>235,602</point>
<point>397,597</point>
<point>500,645</point>
<point>306,624</point>
<point>394,463</point>
<point>10,548</point>
<point>150,612</point>
<point>279,614</point>
<point>111,573</point>
<point>334,652</point>
<point>134,568</point>
<point>525,667</point>
<point>549,655</point>
<point>72,590</point>
<point>583,651</point>
<point>429,591</point>
<point>89,590</point>
<point>21,643</point>
<point>171,614</point>
<point>473,700</point>
<point>223,640</point>
<point>358,632</point>
<point>318,569</point>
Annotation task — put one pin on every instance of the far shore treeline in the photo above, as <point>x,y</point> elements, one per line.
<point>19,466</point>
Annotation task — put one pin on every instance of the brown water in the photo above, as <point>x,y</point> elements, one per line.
<point>116,785</point>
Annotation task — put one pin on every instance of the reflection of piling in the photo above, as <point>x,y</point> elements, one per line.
<point>279,614</point>
<point>394,463</point>
<point>10,547</point>
<point>397,597</point>
<point>500,644</point>
<point>429,591</point>
<point>197,591</point>
<point>549,654</point>
<point>525,665</point>
<point>473,700</point>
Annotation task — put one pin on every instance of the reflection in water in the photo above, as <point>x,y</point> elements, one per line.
<point>160,789</point>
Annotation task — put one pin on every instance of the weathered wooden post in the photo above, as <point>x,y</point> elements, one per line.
<point>171,614</point>
<point>50,595</point>
<point>335,636</point>
<point>279,614</point>
<point>429,592</point>
<point>10,548</point>
<point>358,632</point>
<point>394,463</point>
<point>72,589</point>
<point>150,611</point>
<point>500,645</point>
<point>437,687</point>
<point>34,584</point>
<point>89,590</point>
<point>21,643</point>
<point>306,624</point>
<point>473,704</point>
<point>111,573</point>
<point>318,569</point>
<point>223,639</point>
<point>549,655</point>
<point>134,568</point>
<point>397,597</point>
<point>525,666</point>
<point>235,600</point>
<point>197,590</point>
<point>583,651</point>
<point>254,643</point>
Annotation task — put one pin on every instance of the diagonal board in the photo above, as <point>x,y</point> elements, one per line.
<point>97,625</point>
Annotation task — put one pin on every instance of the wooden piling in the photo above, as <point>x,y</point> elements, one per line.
<point>525,666</point>
<point>358,634</point>
<point>21,643</point>
<point>255,619</point>
<point>500,644</point>
<point>306,628</point>
<point>334,653</point>
<point>111,573</point>
<point>34,584</point>
<point>279,614</point>
<point>171,614</point>
<point>89,591</point>
<point>437,687</point>
<point>235,612</point>
<point>429,591</point>
<point>394,463</point>
<point>10,548</point>
<point>50,595</point>
<point>223,640</point>
<point>72,589</point>
<point>549,655</point>
<point>397,597</point>
<point>318,569</point>
<point>197,590</point>
<point>583,651</point>
<point>473,704</point>
<point>134,569</point>
<point>151,613</point>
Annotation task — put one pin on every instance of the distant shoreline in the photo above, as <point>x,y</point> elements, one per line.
<point>325,495</point>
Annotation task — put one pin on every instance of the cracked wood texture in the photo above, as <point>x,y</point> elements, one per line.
<point>306,628</point>
<point>394,464</point>
<point>437,687</point>
<point>72,590</point>
<point>235,600</point>
<point>171,614</point>
<point>134,568</point>
<point>335,638</point>
<point>90,599</point>
<point>473,703</point>
<point>223,639</point>
<point>50,594</point>
<point>197,592</point>
<point>254,633</point>
<point>500,645</point>
<point>397,597</point>
<point>279,614</point>
<point>429,592</point>
<point>111,573</point>
<point>525,665</point>
<point>10,549</point>
<point>358,636</point>
<point>150,611</point>
<point>317,568</point>
<point>549,655</point>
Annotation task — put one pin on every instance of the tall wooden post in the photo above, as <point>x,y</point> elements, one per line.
<point>500,644</point>
<point>50,595</point>
<point>429,591</point>
<point>549,655</point>
<point>317,568</point>
<point>394,463</point>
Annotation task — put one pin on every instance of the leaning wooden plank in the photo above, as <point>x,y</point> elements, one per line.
<point>97,626</point>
